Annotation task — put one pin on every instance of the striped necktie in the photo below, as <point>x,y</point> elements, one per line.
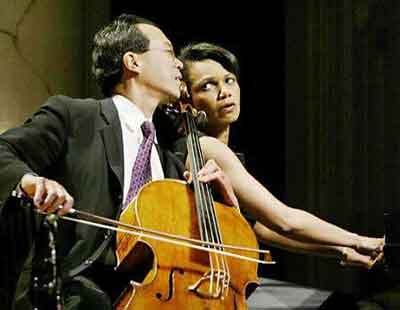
<point>141,171</point>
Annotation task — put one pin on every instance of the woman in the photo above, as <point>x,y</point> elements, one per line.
<point>211,75</point>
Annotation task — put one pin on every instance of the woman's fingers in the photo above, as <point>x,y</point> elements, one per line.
<point>211,172</point>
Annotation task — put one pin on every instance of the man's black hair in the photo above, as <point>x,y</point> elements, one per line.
<point>109,46</point>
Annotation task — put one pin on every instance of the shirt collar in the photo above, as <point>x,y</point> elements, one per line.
<point>129,114</point>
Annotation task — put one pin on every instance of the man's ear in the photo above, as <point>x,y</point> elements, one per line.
<point>130,62</point>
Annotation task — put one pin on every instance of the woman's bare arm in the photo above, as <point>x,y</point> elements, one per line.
<point>290,222</point>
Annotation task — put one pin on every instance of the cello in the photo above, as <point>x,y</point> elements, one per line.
<point>176,277</point>
<point>187,247</point>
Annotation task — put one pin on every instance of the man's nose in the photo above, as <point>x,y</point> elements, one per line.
<point>178,64</point>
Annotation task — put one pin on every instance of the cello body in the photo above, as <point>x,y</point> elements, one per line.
<point>177,275</point>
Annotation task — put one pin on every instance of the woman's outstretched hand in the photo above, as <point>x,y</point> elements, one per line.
<point>370,246</point>
<point>352,258</point>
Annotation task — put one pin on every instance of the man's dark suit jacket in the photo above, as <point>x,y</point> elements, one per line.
<point>78,143</point>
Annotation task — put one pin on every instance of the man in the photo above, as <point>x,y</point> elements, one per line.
<point>81,153</point>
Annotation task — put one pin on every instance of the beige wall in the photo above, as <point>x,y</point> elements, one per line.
<point>44,50</point>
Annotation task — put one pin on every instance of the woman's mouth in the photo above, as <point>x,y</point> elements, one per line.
<point>228,107</point>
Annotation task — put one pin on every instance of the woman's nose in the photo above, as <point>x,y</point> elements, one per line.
<point>224,92</point>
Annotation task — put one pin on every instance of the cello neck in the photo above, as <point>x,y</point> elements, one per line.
<point>206,214</point>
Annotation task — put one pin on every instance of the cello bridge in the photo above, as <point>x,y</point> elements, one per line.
<point>213,284</point>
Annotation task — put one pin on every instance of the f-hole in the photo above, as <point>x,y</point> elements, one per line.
<point>171,285</point>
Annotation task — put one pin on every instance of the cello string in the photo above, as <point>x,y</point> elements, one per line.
<point>206,203</point>
<point>199,193</point>
<point>209,210</point>
<point>195,167</point>
<point>214,223</point>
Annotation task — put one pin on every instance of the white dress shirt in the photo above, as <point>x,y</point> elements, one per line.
<point>131,118</point>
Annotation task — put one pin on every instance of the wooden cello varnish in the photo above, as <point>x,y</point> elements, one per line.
<point>180,277</point>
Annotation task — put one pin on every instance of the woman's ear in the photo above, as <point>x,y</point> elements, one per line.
<point>130,62</point>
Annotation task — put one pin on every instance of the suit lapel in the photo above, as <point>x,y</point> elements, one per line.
<point>112,139</point>
<point>172,166</point>
<point>161,156</point>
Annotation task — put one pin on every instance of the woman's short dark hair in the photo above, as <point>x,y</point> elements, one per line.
<point>202,51</point>
<point>109,46</point>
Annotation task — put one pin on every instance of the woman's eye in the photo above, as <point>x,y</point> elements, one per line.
<point>207,86</point>
<point>230,80</point>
